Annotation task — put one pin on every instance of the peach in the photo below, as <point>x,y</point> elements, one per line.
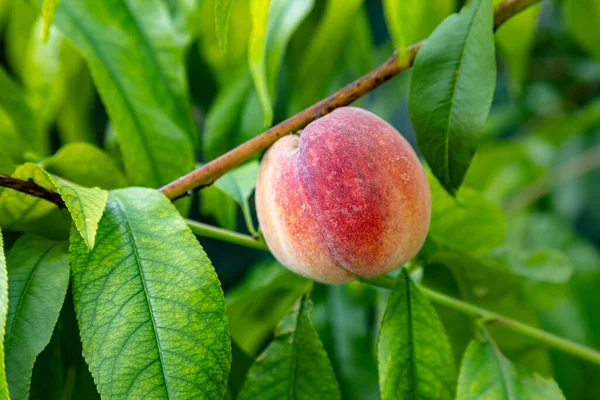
<point>349,197</point>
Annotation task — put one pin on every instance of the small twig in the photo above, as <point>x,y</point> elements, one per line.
<point>211,171</point>
<point>580,165</point>
<point>31,188</point>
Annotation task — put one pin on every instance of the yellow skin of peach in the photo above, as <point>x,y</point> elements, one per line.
<point>349,197</point>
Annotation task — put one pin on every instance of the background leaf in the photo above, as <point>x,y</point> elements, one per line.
<point>415,358</point>
<point>451,89</point>
<point>487,374</point>
<point>48,9</point>
<point>254,314</point>
<point>515,39</point>
<point>143,91</point>
<point>295,365</point>
<point>38,276</point>
<point>413,20</point>
<point>136,336</point>
<point>86,164</point>
<point>582,18</point>
<point>468,222</point>
<point>14,106</point>
<point>222,14</point>
<point>259,11</point>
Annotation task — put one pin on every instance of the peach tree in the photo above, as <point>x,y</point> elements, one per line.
<point>455,260</point>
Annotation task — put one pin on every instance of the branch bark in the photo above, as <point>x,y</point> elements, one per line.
<point>208,173</point>
<point>31,188</point>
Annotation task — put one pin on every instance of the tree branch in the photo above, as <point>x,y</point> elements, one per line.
<point>208,173</point>
<point>31,188</point>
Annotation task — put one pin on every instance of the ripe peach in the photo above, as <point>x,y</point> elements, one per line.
<point>348,197</point>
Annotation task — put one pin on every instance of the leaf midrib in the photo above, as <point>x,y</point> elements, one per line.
<point>293,366</point>
<point>454,84</point>
<point>9,331</point>
<point>120,90</point>
<point>147,296</point>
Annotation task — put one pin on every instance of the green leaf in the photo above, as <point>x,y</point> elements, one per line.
<point>15,107</point>
<point>234,61</point>
<point>486,374</point>
<point>85,205</point>
<point>451,90</point>
<point>3,315</point>
<point>185,15</point>
<point>321,56</point>
<point>349,311</point>
<point>582,18</point>
<point>468,222</point>
<point>253,315</point>
<point>222,17</point>
<point>75,121</point>
<point>259,11</point>
<point>144,91</point>
<point>86,164</point>
<point>295,365</point>
<point>284,18</point>
<point>216,204</point>
<point>48,9</point>
<point>137,337</point>
<point>38,276</point>
<point>240,182</point>
<point>48,70</point>
<point>412,20</point>
<point>415,357</point>
<point>20,209</point>
<point>223,116</point>
<point>515,39</point>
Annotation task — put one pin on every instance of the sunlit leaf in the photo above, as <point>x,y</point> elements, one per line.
<point>415,358</point>
<point>14,106</point>
<point>38,276</point>
<point>48,9</point>
<point>144,91</point>
<point>451,90</point>
<point>320,58</point>
<point>84,204</point>
<point>86,164</point>
<point>295,365</point>
<point>410,21</point>
<point>137,336</point>
<point>222,14</point>
<point>259,11</point>
<point>3,315</point>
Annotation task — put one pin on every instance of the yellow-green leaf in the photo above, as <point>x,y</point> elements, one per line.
<point>3,315</point>
<point>222,17</point>
<point>412,20</point>
<point>149,304</point>
<point>259,12</point>
<point>48,9</point>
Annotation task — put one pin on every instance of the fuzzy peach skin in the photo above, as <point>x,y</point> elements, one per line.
<point>348,197</point>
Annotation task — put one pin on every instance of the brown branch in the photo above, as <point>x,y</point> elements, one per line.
<point>208,173</point>
<point>31,188</point>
